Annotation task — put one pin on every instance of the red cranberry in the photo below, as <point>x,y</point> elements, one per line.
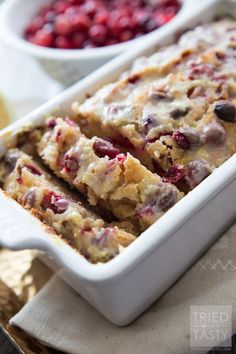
<point>174,174</point>
<point>111,41</point>
<point>225,111</point>
<point>117,13</point>
<point>168,3</point>
<point>126,36</point>
<point>98,34</point>
<point>104,148</point>
<point>51,123</point>
<point>80,22</point>
<point>121,158</point>
<point>56,203</point>
<point>167,199</point>
<point>132,79</point>
<point>59,204</point>
<point>220,56</point>
<point>86,229</point>
<point>161,200</point>
<point>33,169</point>
<point>61,6</point>
<point>89,8</point>
<point>102,238</point>
<point>122,141</point>
<point>191,134</point>
<point>181,140</point>
<point>136,3</point>
<point>71,163</point>
<point>72,10</point>
<point>163,18</point>
<point>63,25</point>
<point>102,18</point>
<point>78,40</point>
<point>141,18</point>
<point>19,180</point>
<point>29,199</point>
<point>11,159</point>
<point>125,23</point>
<point>197,70</point>
<point>63,42</point>
<point>196,172</point>
<point>59,136</point>
<point>76,2</point>
<point>50,17</point>
<point>43,38</point>
<point>35,25</point>
<point>214,133</point>
<point>49,28</point>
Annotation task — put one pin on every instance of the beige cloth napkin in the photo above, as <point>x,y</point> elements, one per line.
<point>61,319</point>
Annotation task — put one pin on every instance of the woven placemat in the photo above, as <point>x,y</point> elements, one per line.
<point>22,275</point>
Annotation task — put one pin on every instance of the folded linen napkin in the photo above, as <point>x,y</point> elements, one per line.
<point>60,318</point>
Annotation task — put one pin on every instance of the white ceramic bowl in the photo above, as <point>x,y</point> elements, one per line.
<point>66,66</point>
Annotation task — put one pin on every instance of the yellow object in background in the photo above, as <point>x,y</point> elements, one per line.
<point>4,116</point>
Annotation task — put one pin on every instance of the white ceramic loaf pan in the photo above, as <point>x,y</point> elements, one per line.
<point>124,287</point>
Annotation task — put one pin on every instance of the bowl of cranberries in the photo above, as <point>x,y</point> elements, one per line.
<point>71,38</point>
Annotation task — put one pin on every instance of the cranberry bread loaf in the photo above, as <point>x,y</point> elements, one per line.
<point>168,111</point>
<point>111,179</point>
<point>27,182</point>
